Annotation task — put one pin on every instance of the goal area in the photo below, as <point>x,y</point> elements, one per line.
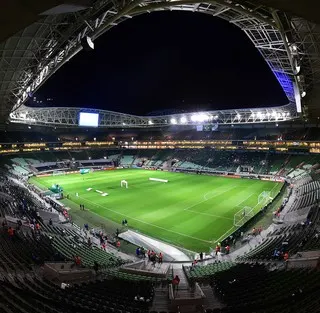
<point>247,212</point>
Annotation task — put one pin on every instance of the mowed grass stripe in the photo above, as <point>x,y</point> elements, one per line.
<point>175,211</point>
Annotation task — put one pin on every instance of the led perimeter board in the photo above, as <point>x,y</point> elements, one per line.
<point>88,119</point>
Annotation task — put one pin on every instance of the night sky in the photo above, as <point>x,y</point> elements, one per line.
<point>163,61</point>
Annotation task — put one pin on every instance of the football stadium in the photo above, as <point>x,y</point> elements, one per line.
<point>113,202</point>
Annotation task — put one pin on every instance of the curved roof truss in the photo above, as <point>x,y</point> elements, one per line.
<point>30,58</point>
<point>69,117</point>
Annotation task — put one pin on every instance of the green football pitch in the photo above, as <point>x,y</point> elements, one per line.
<point>191,211</point>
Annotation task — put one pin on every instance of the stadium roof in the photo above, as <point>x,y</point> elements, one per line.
<point>37,39</point>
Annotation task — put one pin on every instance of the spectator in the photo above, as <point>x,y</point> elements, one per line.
<point>227,249</point>
<point>201,256</point>
<point>77,261</point>
<point>50,221</point>
<point>118,245</point>
<point>160,258</point>
<point>10,232</point>
<point>176,282</point>
<point>19,224</point>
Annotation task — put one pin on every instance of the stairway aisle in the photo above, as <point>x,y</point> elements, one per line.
<point>211,301</point>
<point>184,284</point>
<point>161,301</point>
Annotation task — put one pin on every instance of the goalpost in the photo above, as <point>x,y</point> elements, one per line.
<point>247,212</point>
<point>124,183</point>
<point>264,197</point>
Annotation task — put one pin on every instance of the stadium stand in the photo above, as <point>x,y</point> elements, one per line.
<point>229,284</point>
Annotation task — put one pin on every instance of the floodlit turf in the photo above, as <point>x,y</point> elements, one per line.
<point>192,211</point>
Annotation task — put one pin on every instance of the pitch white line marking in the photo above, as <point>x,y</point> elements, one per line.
<point>212,215</point>
<point>238,205</point>
<point>218,194</point>
<point>225,234</point>
<point>135,219</point>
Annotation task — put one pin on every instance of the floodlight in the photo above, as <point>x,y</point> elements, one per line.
<point>193,118</point>
<point>202,117</point>
<point>173,121</point>
<point>123,124</point>
<point>238,116</point>
<point>183,120</point>
<point>150,122</point>
<point>303,94</point>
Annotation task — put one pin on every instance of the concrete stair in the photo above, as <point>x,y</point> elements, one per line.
<point>211,301</point>
<point>161,300</point>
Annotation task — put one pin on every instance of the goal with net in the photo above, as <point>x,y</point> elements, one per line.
<point>242,216</point>
<point>124,184</point>
<point>264,197</point>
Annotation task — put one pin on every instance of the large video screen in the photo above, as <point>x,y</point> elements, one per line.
<point>89,119</point>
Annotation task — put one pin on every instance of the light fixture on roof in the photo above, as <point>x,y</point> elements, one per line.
<point>150,122</point>
<point>173,121</point>
<point>303,94</point>
<point>183,120</point>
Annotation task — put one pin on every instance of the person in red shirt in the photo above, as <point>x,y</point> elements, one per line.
<point>77,260</point>
<point>10,232</point>
<point>118,245</point>
<point>160,258</point>
<point>175,282</point>
<point>217,250</point>
<point>227,249</point>
<point>286,256</point>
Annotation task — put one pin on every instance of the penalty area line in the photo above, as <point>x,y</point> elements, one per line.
<point>212,215</point>
<point>143,222</point>
<point>221,237</point>
<point>206,199</point>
